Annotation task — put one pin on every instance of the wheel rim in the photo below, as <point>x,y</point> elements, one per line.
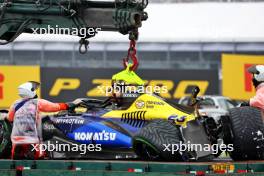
<point>146,150</point>
<point>150,152</point>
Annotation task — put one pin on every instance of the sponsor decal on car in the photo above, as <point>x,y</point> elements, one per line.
<point>69,121</point>
<point>155,103</point>
<point>97,136</point>
<point>130,95</point>
<point>175,117</point>
<point>140,104</point>
<point>48,126</point>
<point>152,104</point>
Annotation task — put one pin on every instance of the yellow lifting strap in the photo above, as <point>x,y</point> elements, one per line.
<point>128,76</point>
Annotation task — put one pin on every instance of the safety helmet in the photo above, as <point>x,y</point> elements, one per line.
<point>258,74</point>
<point>28,89</point>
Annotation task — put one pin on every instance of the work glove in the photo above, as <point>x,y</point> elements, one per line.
<point>246,103</point>
<point>74,104</point>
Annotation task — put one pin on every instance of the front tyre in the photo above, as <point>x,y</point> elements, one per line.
<point>149,143</point>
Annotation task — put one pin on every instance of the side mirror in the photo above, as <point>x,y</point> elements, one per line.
<point>195,92</point>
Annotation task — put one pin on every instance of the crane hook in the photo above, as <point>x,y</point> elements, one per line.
<point>84,44</point>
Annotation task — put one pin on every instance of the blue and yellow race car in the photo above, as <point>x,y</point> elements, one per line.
<point>130,125</point>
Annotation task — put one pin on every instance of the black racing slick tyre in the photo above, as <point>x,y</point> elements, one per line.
<point>5,141</point>
<point>247,134</point>
<point>149,143</point>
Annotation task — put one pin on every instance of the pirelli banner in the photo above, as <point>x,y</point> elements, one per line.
<point>236,80</point>
<point>66,84</point>
<point>11,77</point>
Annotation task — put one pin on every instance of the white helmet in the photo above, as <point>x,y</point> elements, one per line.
<point>28,89</point>
<point>258,72</point>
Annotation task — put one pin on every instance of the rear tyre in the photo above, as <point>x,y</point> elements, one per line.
<point>149,143</point>
<point>5,141</point>
<point>247,134</point>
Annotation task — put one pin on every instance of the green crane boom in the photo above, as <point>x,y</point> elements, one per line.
<point>30,16</point>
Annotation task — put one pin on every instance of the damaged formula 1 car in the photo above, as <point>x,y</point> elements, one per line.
<point>142,122</point>
<point>111,130</point>
<point>142,125</point>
